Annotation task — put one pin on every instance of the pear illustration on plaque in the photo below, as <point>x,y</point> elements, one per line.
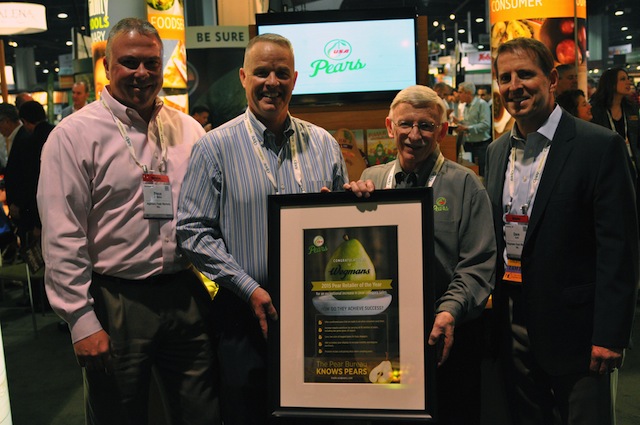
<point>350,263</point>
<point>351,266</point>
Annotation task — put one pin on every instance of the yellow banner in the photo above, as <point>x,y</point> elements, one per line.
<point>509,10</point>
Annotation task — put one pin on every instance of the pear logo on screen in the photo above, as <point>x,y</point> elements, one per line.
<point>337,51</point>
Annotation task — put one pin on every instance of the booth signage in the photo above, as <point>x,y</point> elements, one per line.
<point>205,37</point>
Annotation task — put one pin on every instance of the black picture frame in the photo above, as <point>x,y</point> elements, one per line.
<point>312,372</point>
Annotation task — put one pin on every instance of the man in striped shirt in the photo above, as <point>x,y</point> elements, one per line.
<point>222,213</point>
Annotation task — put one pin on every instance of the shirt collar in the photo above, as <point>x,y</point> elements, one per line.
<point>424,170</point>
<point>264,135</point>
<point>547,129</point>
<point>14,132</point>
<point>127,115</point>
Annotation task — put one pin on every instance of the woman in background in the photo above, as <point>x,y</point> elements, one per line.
<point>612,107</point>
<point>575,102</point>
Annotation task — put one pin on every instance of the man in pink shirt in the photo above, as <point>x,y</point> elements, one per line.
<point>110,178</point>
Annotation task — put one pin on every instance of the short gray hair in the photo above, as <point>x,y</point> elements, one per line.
<point>268,38</point>
<point>419,97</point>
<point>136,25</point>
<point>469,87</point>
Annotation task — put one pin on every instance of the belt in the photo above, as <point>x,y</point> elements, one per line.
<point>158,279</point>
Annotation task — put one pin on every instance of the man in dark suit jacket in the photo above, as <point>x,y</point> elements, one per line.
<point>566,224</point>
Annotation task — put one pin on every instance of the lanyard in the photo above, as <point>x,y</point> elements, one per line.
<point>127,140</point>
<point>533,185</point>
<point>613,126</point>
<point>432,177</point>
<point>297,170</point>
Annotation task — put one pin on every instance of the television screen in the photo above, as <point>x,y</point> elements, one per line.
<point>347,56</point>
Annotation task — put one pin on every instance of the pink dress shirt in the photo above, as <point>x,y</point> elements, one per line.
<point>91,202</point>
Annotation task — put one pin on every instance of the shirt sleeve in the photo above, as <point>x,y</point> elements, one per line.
<point>198,227</point>
<point>480,121</point>
<point>64,200</point>
<point>473,276</point>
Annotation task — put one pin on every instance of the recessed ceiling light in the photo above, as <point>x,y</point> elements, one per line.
<point>619,12</point>
<point>452,17</point>
<point>624,29</point>
<point>56,69</point>
<point>62,15</point>
<point>37,63</point>
<point>449,39</point>
<point>461,31</point>
<point>13,44</point>
<point>442,47</point>
<point>480,46</point>
<point>45,71</point>
<point>436,23</point>
<point>69,43</point>
<point>479,20</point>
<point>629,37</point>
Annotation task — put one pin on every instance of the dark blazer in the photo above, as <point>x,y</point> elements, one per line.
<point>580,255</point>
<point>18,156</point>
<point>23,171</point>
<point>600,117</point>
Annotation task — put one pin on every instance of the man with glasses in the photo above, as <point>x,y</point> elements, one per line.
<point>464,245</point>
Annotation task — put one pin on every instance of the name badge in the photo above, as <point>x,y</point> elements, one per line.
<point>158,201</point>
<point>515,230</point>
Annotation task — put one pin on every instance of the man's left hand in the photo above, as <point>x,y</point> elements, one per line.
<point>604,360</point>
<point>442,333</point>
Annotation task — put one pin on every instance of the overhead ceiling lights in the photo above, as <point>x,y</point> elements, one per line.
<point>62,15</point>
<point>22,18</point>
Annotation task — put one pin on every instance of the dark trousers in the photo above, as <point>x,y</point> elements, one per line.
<point>157,324</point>
<point>537,398</point>
<point>242,354</point>
<point>478,153</point>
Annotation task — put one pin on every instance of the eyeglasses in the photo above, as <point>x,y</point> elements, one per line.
<point>424,127</point>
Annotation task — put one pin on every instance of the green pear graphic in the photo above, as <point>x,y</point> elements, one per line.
<point>350,263</point>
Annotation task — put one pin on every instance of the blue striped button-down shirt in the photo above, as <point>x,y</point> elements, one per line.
<point>222,212</point>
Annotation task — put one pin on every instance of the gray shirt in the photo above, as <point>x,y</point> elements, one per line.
<point>464,241</point>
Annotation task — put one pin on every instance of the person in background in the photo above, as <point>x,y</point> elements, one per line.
<point>16,136</point>
<point>6,143</point>
<point>567,78</point>
<point>22,97</point>
<point>476,126</point>
<point>591,87</point>
<point>79,96</point>
<point>575,103</point>
<point>444,91</point>
<point>485,94</point>
<point>110,178</point>
<point>222,214</point>
<point>201,114</point>
<point>612,107</point>
<point>567,269</point>
<point>22,207</point>
<point>464,245</point>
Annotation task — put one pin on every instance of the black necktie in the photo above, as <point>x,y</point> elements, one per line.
<point>404,180</point>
